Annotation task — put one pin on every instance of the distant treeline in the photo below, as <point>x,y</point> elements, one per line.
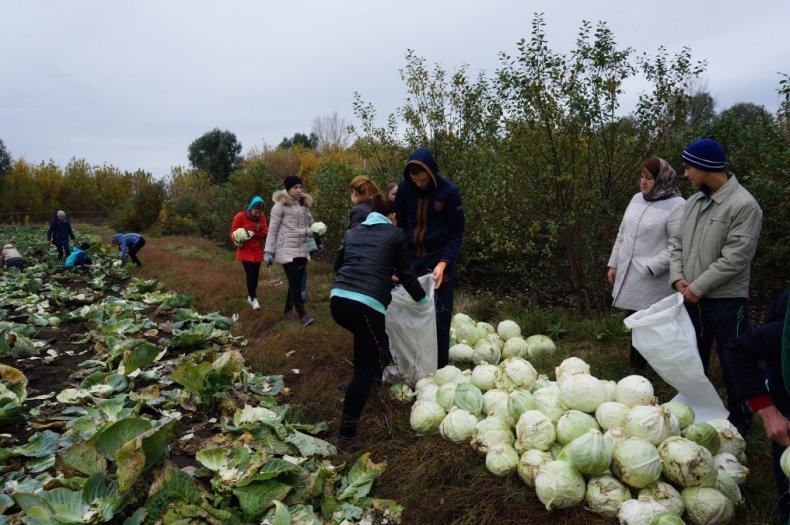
<point>545,157</point>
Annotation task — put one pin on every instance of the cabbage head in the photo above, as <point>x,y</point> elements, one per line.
<point>587,453</point>
<point>686,463</point>
<point>508,330</point>
<point>534,430</point>
<point>573,424</point>
<point>426,416</point>
<point>529,464</point>
<point>605,494</point>
<point>539,345</point>
<point>457,426</point>
<point>636,463</point>
<point>515,373</point>
<point>559,485</point>
<point>582,392</point>
<point>707,506</point>
<point>501,459</point>
<point>704,434</point>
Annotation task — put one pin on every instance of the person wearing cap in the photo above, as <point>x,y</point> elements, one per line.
<point>59,233</point>
<point>130,244</point>
<point>286,243</point>
<point>430,212</point>
<point>79,256</point>
<point>711,259</point>
<point>250,252</point>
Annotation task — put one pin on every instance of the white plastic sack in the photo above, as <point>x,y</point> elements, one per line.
<point>411,329</point>
<point>664,335</point>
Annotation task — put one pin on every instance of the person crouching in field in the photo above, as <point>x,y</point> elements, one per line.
<point>79,256</point>
<point>11,259</point>
<point>364,266</point>
<point>130,243</point>
<point>59,233</point>
<point>248,233</point>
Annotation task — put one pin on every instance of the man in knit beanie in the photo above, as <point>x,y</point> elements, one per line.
<point>711,257</point>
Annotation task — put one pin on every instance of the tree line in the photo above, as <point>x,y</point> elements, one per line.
<point>544,153</point>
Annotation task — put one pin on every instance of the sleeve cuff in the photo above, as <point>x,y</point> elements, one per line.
<point>424,300</point>
<point>759,402</point>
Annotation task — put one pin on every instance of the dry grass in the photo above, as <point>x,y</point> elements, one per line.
<point>437,482</point>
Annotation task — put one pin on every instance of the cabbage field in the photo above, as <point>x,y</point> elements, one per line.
<point>124,400</point>
<point>120,403</point>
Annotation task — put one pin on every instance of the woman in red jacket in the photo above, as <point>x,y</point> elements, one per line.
<point>249,244</point>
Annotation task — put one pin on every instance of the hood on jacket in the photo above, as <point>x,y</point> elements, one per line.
<point>283,198</point>
<point>118,237</point>
<point>422,157</point>
<point>255,200</point>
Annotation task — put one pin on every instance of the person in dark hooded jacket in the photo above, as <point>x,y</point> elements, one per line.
<point>430,212</point>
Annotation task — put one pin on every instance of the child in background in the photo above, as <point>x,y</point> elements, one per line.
<point>79,257</point>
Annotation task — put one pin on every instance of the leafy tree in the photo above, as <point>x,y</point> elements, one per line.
<point>113,187</point>
<point>78,191</point>
<point>141,210</point>
<point>217,153</point>
<point>299,139</point>
<point>5,160</point>
<point>49,179</point>
<point>21,195</point>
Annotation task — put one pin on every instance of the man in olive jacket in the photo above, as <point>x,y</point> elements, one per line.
<point>711,259</point>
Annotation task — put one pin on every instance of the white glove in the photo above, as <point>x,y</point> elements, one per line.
<point>117,263</point>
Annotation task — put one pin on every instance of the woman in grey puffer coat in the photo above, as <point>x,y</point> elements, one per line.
<point>286,242</point>
<point>640,257</point>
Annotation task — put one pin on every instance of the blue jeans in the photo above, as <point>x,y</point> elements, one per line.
<point>721,320</point>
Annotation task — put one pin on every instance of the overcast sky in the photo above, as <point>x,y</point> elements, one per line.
<point>133,83</point>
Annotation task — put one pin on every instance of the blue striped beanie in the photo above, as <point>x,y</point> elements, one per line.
<point>704,154</point>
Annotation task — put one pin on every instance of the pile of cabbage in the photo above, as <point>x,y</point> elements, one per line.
<point>472,342</point>
<point>580,440</point>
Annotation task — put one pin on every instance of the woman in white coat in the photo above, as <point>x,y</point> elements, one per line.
<point>640,257</point>
<point>286,242</point>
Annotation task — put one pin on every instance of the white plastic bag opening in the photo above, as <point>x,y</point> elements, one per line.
<point>411,328</point>
<point>664,335</point>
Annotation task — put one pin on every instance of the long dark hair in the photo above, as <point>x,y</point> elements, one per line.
<point>381,204</point>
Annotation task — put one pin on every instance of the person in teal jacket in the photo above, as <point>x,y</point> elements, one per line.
<point>79,256</point>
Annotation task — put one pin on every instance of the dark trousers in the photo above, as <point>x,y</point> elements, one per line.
<point>443,298</point>
<point>294,271</point>
<point>252,270</point>
<point>721,320</point>
<point>132,250</point>
<point>63,248</point>
<point>636,359</point>
<point>370,356</point>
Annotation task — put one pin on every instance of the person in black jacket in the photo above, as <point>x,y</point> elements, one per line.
<point>754,357</point>
<point>59,233</point>
<point>364,267</point>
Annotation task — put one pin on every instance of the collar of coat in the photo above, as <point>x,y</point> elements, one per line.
<point>283,198</point>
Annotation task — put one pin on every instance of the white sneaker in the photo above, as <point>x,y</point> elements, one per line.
<point>249,301</point>
<point>255,304</point>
